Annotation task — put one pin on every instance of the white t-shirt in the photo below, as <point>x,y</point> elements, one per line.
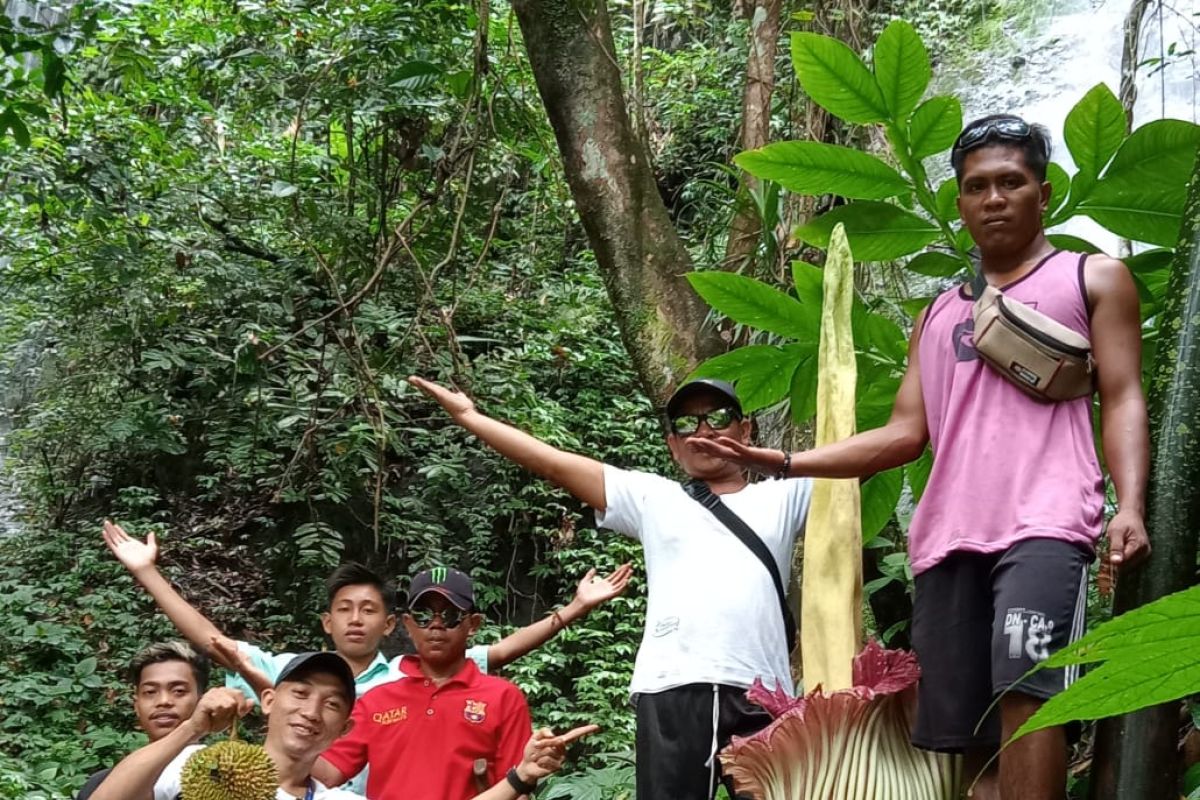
<point>169,785</point>
<point>712,614</point>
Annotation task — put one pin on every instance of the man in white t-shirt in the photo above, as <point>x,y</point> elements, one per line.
<point>713,618</point>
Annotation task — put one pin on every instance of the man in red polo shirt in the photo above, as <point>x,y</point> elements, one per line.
<point>422,734</point>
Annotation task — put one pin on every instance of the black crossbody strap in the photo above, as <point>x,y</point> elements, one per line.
<point>698,490</point>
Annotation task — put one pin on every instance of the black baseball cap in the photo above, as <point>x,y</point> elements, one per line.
<point>326,662</point>
<point>710,386</point>
<point>451,584</point>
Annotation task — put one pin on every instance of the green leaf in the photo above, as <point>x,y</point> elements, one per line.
<point>915,305</point>
<point>917,473</point>
<point>803,396</point>
<point>762,373</point>
<point>818,168</point>
<point>876,231</point>
<point>414,76</point>
<point>11,121</point>
<point>1094,129</point>
<point>1151,270</point>
<point>54,72</point>
<point>1060,187</point>
<point>934,126</point>
<point>902,68</point>
<point>1150,655</point>
<point>809,282</point>
<point>1143,214</point>
<point>1161,150</point>
<point>836,79</point>
<point>879,497</point>
<point>754,303</point>
<point>947,200</point>
<point>1065,241</point>
<point>936,264</point>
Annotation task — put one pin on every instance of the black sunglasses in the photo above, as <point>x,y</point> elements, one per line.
<point>451,617</point>
<point>717,419</point>
<point>1012,130</point>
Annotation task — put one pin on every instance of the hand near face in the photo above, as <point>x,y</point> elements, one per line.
<point>218,709</point>
<point>759,459</point>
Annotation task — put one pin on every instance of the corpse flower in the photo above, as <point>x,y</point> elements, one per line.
<point>846,745</point>
<point>848,738</point>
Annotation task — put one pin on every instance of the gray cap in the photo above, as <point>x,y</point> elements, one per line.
<point>709,386</point>
<point>326,662</point>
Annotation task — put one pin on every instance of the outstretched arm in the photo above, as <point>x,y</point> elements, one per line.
<point>1124,425</point>
<point>138,772</point>
<point>139,558</point>
<point>901,440</point>
<point>592,591</point>
<point>579,475</point>
<point>544,754</point>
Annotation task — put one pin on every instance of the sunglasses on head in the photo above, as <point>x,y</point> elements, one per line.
<point>1011,130</point>
<point>717,419</point>
<point>450,617</point>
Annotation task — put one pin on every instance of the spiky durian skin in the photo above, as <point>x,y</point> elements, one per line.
<point>230,770</point>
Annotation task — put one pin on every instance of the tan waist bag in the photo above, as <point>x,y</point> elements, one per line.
<point>1037,354</point>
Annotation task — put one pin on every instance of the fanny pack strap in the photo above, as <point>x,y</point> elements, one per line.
<point>698,490</point>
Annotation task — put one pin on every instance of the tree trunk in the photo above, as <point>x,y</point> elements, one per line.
<point>639,253</point>
<point>746,228</point>
<point>1136,756</point>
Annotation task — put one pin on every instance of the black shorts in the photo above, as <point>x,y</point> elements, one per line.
<point>980,622</point>
<point>677,741</point>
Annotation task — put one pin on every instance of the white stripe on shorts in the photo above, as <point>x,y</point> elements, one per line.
<point>1078,622</point>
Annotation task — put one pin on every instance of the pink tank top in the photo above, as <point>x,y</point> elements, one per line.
<point>1006,467</point>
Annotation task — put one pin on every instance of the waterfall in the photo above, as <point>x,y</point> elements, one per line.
<point>1040,66</point>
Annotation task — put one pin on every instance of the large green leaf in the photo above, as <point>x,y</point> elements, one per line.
<point>901,68</point>
<point>917,473</point>
<point>1151,270</point>
<point>803,394</point>
<point>934,126</point>
<point>1150,655</point>
<point>947,200</point>
<point>1060,187</point>
<point>936,264</point>
<point>818,168</point>
<point>1144,214</point>
<point>754,303</point>
<point>1094,130</point>
<point>1065,241</point>
<point>762,373</point>
<point>836,79</point>
<point>1157,156</point>
<point>809,282</point>
<point>877,231</point>
<point>879,497</point>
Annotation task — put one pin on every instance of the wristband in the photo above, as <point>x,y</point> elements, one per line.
<point>518,785</point>
<point>562,623</point>
<point>782,472</point>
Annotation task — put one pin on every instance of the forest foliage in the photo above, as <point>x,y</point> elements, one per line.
<point>226,238</point>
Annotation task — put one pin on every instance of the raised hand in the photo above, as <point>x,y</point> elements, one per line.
<point>135,555</point>
<point>593,591</point>
<point>456,403</point>
<point>760,459</point>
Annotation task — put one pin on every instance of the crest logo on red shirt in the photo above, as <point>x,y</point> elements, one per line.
<point>475,711</point>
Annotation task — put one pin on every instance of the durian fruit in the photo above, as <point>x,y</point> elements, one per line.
<point>230,770</point>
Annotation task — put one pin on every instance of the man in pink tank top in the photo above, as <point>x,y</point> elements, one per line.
<point>1002,538</point>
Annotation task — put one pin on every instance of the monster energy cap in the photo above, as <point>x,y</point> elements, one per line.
<point>451,584</point>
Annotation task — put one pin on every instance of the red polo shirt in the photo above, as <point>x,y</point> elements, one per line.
<point>421,740</point>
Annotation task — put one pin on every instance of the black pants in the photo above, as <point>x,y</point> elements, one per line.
<point>675,738</point>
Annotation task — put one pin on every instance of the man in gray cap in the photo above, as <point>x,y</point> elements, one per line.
<point>718,553</point>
